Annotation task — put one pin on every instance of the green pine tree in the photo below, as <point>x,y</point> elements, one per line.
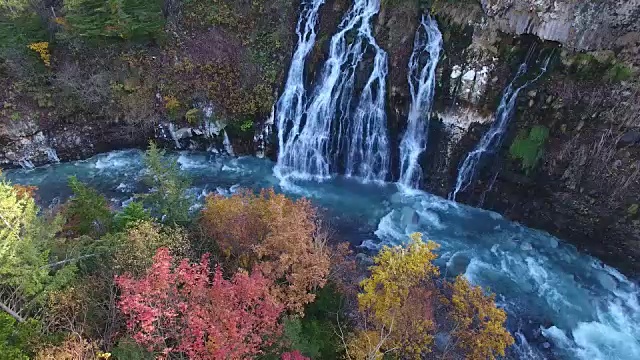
<point>115,19</point>
<point>168,199</point>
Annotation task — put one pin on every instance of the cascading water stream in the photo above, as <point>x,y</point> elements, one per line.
<point>227,144</point>
<point>337,129</point>
<point>52,155</point>
<point>290,107</point>
<point>492,139</point>
<point>427,47</point>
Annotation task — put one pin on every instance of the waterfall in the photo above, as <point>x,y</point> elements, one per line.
<point>26,164</point>
<point>492,139</point>
<point>358,124</point>
<point>52,155</point>
<point>290,106</point>
<point>227,144</point>
<point>422,82</point>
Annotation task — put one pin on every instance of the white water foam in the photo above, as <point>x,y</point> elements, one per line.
<point>334,126</point>
<point>422,83</point>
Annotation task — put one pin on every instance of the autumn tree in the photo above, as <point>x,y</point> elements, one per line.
<point>87,307</point>
<point>193,311</point>
<point>398,301</point>
<point>398,296</point>
<point>367,345</point>
<point>478,325</point>
<point>270,232</point>
<point>134,249</point>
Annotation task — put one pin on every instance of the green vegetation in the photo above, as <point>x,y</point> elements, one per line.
<point>619,72</point>
<point>18,31</point>
<point>114,19</point>
<point>168,198</point>
<point>132,214</point>
<point>587,67</point>
<point>316,334</point>
<point>16,338</point>
<point>528,148</point>
<point>87,211</point>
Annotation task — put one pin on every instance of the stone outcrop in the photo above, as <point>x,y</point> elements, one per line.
<point>577,24</point>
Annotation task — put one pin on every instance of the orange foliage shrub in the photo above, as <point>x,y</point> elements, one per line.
<point>274,234</point>
<point>25,191</point>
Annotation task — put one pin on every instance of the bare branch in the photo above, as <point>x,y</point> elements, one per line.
<point>11,312</point>
<point>63,262</point>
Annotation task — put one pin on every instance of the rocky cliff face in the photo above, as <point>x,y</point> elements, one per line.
<point>578,25</point>
<point>584,180</point>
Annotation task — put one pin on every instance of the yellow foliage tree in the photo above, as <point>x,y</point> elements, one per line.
<point>478,324</point>
<point>398,295</point>
<point>398,301</point>
<point>42,48</point>
<point>365,345</point>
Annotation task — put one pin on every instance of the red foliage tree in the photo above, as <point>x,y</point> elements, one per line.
<point>193,311</point>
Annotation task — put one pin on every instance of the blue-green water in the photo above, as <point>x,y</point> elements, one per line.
<point>561,304</point>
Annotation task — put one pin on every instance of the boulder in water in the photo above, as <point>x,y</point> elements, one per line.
<point>526,246</point>
<point>183,133</point>
<point>396,198</point>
